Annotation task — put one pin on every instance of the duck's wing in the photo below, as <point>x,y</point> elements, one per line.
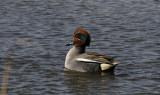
<point>92,57</point>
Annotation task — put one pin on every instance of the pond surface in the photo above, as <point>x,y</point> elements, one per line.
<point>33,34</point>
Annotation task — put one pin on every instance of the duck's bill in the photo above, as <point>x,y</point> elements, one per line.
<point>71,43</point>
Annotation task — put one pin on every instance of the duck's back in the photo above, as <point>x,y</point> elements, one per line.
<point>95,57</point>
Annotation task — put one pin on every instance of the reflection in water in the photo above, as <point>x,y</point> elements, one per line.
<point>5,77</point>
<point>83,82</point>
<point>8,64</point>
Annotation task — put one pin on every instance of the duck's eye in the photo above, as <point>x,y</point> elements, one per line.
<point>81,37</point>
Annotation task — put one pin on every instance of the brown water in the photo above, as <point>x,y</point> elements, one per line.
<point>33,33</point>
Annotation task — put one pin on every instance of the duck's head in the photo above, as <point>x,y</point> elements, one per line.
<point>81,38</point>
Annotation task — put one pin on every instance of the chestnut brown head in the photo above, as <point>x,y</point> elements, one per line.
<point>81,38</point>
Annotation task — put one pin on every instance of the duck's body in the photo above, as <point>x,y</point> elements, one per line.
<point>77,59</point>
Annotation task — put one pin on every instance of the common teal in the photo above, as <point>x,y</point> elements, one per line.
<point>77,59</point>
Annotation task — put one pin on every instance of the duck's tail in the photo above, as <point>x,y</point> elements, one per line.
<point>109,66</point>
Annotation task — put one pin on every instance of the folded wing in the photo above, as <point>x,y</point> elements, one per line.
<point>97,58</point>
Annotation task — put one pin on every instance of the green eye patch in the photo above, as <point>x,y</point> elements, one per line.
<point>81,37</point>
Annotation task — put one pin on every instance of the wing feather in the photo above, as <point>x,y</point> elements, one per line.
<point>95,57</point>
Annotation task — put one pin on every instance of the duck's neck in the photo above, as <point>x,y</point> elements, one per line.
<point>81,49</point>
<point>77,50</point>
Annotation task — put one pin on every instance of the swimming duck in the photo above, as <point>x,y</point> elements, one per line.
<point>79,60</point>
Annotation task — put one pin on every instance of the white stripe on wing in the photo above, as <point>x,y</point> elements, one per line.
<point>86,60</point>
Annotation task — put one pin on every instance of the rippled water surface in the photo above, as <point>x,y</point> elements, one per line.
<point>33,34</point>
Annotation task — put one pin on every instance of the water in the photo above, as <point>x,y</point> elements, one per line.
<point>33,33</point>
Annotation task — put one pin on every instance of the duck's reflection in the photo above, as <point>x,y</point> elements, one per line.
<point>82,83</point>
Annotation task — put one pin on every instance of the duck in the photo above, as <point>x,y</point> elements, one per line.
<point>79,60</point>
